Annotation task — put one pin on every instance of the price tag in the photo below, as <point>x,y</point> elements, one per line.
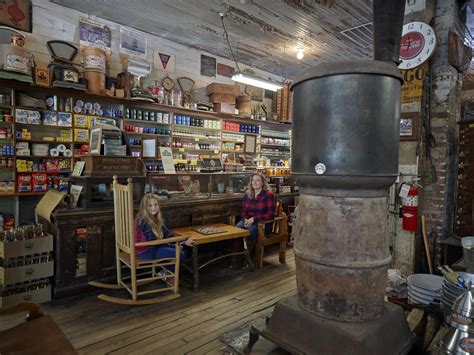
<point>181,149</point>
<point>216,152</point>
<point>196,139</point>
<point>404,191</point>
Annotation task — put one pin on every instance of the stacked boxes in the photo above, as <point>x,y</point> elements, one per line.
<point>223,96</point>
<point>25,268</point>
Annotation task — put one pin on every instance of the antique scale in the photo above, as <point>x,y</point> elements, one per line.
<point>63,73</point>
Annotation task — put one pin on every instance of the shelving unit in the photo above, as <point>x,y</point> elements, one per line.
<point>192,134</point>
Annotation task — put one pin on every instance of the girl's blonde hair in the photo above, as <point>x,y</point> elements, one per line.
<point>155,222</point>
<point>250,191</point>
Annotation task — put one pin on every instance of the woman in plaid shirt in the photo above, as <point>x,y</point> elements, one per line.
<point>258,205</point>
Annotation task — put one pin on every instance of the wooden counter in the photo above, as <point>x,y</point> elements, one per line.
<point>84,244</point>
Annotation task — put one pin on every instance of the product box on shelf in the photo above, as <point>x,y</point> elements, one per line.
<point>81,135</point>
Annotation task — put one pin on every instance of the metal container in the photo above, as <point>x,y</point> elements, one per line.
<point>468,253</point>
<point>457,342</point>
<point>352,109</point>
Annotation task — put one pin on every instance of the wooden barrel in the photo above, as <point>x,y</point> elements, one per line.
<point>96,81</point>
<point>244,105</point>
<point>94,59</point>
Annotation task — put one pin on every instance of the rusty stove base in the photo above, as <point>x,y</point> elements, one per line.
<point>301,332</point>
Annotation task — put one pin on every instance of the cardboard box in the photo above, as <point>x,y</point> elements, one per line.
<point>216,88</point>
<point>41,295</point>
<point>224,108</point>
<point>13,275</point>
<point>219,98</point>
<point>26,247</point>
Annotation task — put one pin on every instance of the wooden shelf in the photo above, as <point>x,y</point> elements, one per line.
<point>41,141</point>
<point>196,127</point>
<point>4,106</point>
<point>44,172</point>
<point>273,136</point>
<point>41,157</point>
<point>199,138</point>
<point>199,150</point>
<point>276,145</point>
<point>42,125</point>
<point>132,120</point>
<point>28,193</point>
<point>150,135</point>
<point>238,132</point>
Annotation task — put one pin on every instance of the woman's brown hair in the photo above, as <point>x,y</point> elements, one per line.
<point>155,222</point>
<point>250,191</point>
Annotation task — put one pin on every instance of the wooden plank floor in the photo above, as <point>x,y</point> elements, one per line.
<point>192,324</point>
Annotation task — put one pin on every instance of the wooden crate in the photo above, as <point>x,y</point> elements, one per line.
<point>18,274</point>
<point>26,247</point>
<point>224,108</point>
<point>282,104</point>
<point>222,98</point>
<point>217,88</point>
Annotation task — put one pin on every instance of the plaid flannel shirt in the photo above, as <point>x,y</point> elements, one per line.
<point>261,208</point>
<point>147,234</point>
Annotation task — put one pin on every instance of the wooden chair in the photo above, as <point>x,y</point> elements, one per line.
<point>38,335</point>
<point>125,255</point>
<point>279,235</point>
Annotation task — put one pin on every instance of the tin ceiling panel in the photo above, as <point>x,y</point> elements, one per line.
<point>263,33</point>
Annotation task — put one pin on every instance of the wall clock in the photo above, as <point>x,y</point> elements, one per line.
<point>417,44</point>
<point>168,83</point>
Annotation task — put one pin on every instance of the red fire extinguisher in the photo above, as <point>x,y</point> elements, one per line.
<point>409,200</point>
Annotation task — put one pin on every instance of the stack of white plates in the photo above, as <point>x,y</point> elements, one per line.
<point>452,291</point>
<point>425,289</point>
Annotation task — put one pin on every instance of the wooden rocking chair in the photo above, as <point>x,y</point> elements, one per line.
<point>279,235</point>
<point>125,254</point>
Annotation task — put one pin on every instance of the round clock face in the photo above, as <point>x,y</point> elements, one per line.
<point>417,44</point>
<point>168,83</point>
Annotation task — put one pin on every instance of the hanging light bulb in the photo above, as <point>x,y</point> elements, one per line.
<point>300,54</point>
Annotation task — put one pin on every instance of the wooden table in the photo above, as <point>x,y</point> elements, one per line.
<point>230,232</point>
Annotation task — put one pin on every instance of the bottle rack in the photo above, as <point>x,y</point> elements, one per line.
<point>26,265</point>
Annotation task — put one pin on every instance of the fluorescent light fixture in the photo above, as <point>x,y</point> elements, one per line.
<point>261,83</point>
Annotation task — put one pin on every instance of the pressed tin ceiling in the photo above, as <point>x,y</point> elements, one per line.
<point>263,33</point>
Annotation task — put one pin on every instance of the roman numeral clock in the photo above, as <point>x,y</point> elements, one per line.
<point>417,44</point>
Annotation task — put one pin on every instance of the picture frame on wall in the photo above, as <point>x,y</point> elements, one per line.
<point>250,144</point>
<point>16,14</point>
<point>409,126</point>
<point>95,141</point>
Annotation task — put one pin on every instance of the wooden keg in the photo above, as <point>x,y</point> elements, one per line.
<point>244,105</point>
<point>94,62</point>
<point>96,81</point>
